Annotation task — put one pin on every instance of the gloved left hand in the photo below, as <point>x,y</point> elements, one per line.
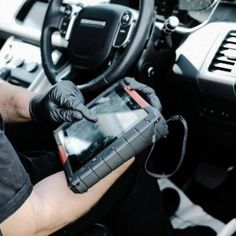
<point>145,90</point>
<point>149,94</point>
<point>64,102</point>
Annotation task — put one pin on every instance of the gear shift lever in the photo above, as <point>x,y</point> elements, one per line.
<point>169,27</point>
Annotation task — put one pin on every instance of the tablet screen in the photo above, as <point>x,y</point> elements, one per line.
<point>117,112</point>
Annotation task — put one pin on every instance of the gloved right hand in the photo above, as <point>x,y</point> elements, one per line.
<point>64,102</point>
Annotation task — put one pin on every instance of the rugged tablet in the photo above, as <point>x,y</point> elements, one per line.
<point>126,124</point>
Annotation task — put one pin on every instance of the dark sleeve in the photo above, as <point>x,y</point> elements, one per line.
<point>15,184</point>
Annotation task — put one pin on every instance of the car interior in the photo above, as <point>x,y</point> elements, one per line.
<point>184,49</point>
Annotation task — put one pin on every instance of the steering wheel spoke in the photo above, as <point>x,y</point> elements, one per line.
<point>70,13</point>
<point>126,29</point>
<point>53,16</point>
<point>65,71</point>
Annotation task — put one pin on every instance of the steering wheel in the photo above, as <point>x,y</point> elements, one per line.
<point>109,36</point>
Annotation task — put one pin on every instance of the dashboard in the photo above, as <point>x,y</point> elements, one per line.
<point>25,17</point>
<point>190,13</point>
<point>23,22</point>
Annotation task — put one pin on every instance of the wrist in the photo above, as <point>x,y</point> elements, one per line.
<point>21,103</point>
<point>34,109</point>
<point>14,102</point>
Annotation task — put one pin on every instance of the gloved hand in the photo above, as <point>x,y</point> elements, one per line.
<point>145,90</point>
<point>62,103</point>
<point>161,128</point>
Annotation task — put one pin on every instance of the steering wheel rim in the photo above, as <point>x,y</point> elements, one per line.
<point>119,68</point>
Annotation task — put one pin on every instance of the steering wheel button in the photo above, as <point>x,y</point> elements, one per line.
<point>31,67</point>
<point>68,11</point>
<point>126,18</point>
<point>122,36</point>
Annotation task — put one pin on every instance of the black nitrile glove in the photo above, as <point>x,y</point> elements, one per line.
<point>62,103</point>
<point>161,128</point>
<point>147,91</point>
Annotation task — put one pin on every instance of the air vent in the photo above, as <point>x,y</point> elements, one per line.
<point>225,58</point>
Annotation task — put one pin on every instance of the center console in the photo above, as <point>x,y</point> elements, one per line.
<point>20,64</point>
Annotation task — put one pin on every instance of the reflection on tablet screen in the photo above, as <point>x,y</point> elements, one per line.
<point>116,113</point>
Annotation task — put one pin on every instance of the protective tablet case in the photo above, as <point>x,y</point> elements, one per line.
<point>123,148</point>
